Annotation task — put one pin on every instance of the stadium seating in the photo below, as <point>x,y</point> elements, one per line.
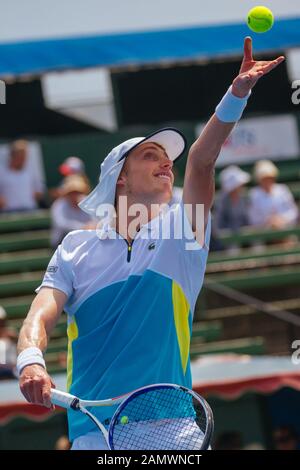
<point>252,346</point>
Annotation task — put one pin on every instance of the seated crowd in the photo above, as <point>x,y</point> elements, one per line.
<point>268,205</point>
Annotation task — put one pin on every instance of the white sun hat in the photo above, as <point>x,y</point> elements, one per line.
<point>169,138</point>
<point>265,169</point>
<point>233,177</point>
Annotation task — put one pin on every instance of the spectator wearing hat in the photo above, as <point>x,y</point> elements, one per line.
<point>71,166</point>
<point>231,208</point>
<point>20,190</point>
<point>8,348</point>
<point>271,205</point>
<point>65,213</point>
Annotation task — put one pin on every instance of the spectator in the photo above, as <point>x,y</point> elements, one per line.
<point>231,208</point>
<point>271,205</point>
<point>71,166</point>
<point>8,349</point>
<point>65,213</point>
<point>286,438</point>
<point>19,188</point>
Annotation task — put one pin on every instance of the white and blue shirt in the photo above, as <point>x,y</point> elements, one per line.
<point>130,308</point>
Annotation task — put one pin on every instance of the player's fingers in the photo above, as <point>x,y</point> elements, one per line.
<point>25,391</point>
<point>52,385</point>
<point>35,385</point>
<point>277,61</point>
<point>37,393</point>
<point>28,391</point>
<point>271,65</point>
<point>248,48</point>
<point>46,395</point>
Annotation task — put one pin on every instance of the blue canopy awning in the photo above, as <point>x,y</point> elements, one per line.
<point>37,57</point>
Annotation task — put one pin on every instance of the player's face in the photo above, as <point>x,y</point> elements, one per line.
<point>147,173</point>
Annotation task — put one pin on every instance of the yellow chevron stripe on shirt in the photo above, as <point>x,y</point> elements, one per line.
<point>72,335</point>
<point>181,310</point>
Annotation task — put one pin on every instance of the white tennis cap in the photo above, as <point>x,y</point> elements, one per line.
<point>233,177</point>
<point>264,169</point>
<point>105,192</point>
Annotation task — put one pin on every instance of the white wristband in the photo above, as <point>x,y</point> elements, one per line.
<point>230,108</point>
<point>29,357</point>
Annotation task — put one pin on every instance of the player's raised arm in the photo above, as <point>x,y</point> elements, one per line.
<point>199,176</point>
<point>35,383</point>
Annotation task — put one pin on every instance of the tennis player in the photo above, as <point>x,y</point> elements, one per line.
<point>130,293</point>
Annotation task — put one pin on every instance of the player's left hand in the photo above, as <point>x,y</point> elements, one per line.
<point>251,70</point>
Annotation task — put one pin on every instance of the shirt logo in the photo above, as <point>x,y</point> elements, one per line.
<point>151,246</point>
<point>52,269</point>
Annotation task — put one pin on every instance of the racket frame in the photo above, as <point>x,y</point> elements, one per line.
<point>69,401</point>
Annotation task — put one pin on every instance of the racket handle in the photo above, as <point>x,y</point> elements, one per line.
<point>63,399</point>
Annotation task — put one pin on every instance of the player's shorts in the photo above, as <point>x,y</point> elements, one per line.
<point>96,441</point>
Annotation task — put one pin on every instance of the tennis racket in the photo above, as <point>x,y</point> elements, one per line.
<point>156,417</point>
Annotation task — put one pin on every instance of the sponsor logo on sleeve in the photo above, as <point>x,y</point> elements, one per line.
<point>52,269</point>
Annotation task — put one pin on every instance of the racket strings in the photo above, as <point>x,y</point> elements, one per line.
<point>166,418</point>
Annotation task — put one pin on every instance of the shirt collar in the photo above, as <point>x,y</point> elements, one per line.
<point>107,231</point>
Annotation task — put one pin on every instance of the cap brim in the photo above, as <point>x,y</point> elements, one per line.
<point>172,140</point>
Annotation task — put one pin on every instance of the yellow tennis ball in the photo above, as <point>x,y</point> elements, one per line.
<point>124,420</point>
<point>260,19</point>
